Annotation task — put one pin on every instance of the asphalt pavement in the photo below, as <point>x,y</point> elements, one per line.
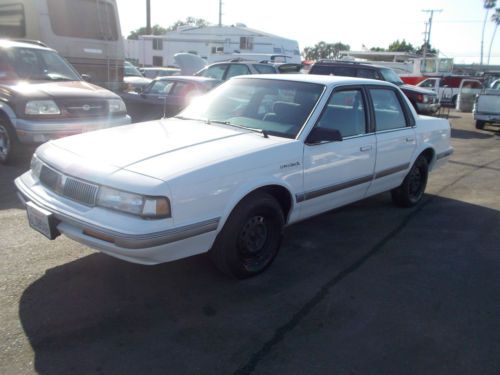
<point>366,289</point>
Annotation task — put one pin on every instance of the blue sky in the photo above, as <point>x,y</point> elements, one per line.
<point>456,31</point>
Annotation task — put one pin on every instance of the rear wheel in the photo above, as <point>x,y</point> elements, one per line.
<point>411,190</point>
<point>480,124</point>
<point>251,237</point>
<point>8,142</point>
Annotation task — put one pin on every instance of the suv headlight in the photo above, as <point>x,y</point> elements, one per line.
<point>42,107</point>
<point>145,206</point>
<point>116,106</point>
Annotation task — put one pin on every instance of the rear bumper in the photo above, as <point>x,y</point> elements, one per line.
<point>36,132</point>
<point>490,117</point>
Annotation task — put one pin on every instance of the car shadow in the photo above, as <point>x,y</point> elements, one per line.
<point>469,134</point>
<point>101,315</point>
<point>8,173</point>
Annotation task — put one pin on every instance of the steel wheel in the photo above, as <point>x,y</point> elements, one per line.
<point>412,189</point>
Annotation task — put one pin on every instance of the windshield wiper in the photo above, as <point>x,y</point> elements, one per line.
<point>261,131</point>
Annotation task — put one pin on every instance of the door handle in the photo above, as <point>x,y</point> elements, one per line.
<point>365,148</point>
<point>161,97</point>
<point>409,139</point>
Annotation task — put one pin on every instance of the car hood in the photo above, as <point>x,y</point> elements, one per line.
<point>60,89</point>
<point>161,149</point>
<point>417,89</point>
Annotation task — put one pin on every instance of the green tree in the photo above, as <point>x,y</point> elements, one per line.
<point>323,50</point>
<point>430,50</point>
<point>155,30</point>
<point>402,46</point>
<point>378,49</point>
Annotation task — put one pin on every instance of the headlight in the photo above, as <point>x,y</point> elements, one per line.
<point>116,106</point>
<point>145,206</point>
<point>36,167</point>
<point>42,107</point>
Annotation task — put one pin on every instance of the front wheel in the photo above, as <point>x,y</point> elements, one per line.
<point>411,190</point>
<point>479,124</point>
<point>7,143</point>
<point>251,237</point>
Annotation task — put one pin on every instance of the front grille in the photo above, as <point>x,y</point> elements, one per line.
<point>84,108</point>
<point>80,191</point>
<point>69,187</point>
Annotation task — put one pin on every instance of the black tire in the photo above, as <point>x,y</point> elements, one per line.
<point>251,237</point>
<point>412,189</point>
<point>8,142</point>
<point>480,124</point>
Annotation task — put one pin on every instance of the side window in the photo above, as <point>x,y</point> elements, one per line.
<point>388,111</point>
<point>428,83</point>
<point>181,89</point>
<point>161,87</point>
<point>216,71</point>
<point>345,112</point>
<point>366,73</point>
<point>237,70</point>
<point>344,71</point>
<point>264,69</point>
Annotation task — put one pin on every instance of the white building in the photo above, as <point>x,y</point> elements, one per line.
<point>212,43</point>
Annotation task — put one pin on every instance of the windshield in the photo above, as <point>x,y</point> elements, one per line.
<point>32,64</point>
<point>273,106</point>
<point>131,70</point>
<point>390,76</point>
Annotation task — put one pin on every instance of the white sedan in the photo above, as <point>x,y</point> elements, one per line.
<point>236,166</point>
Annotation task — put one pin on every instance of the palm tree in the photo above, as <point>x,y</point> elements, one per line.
<point>487,5</point>
<point>495,17</point>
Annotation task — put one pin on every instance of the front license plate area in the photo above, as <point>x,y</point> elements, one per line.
<point>41,220</point>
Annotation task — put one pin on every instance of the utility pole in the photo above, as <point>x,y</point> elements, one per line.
<point>220,13</point>
<point>148,17</point>
<point>428,27</point>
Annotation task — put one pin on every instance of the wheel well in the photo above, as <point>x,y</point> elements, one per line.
<point>5,118</point>
<point>281,194</point>
<point>428,154</point>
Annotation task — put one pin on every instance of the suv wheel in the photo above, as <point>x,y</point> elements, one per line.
<point>7,143</point>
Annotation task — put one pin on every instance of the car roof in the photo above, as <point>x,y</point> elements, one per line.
<point>186,78</point>
<point>9,43</point>
<point>317,78</point>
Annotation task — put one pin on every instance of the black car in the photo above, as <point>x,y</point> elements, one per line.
<point>424,101</point>
<point>165,96</point>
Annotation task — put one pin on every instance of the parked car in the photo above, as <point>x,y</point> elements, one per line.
<point>133,78</point>
<point>424,101</point>
<point>236,67</point>
<point>165,96</point>
<point>154,72</point>
<point>42,97</point>
<point>487,106</point>
<point>233,169</point>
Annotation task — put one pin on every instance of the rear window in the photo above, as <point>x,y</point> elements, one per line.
<point>345,71</point>
<point>264,69</point>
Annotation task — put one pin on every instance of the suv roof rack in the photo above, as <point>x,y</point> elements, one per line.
<point>330,61</point>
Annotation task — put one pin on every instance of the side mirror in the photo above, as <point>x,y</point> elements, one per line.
<point>320,135</point>
<point>87,77</point>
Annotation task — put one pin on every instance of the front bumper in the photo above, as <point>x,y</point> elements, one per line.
<point>38,131</point>
<point>144,246</point>
<point>428,108</point>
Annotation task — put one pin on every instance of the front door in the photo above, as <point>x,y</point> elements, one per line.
<point>337,173</point>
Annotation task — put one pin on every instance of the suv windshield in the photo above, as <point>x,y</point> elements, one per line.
<point>273,106</point>
<point>390,76</point>
<point>20,63</point>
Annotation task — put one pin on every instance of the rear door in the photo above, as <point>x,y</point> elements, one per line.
<point>395,137</point>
